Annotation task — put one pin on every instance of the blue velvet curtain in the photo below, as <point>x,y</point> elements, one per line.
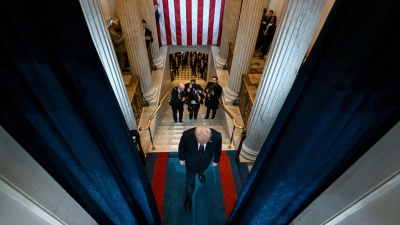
<point>57,102</point>
<point>346,96</point>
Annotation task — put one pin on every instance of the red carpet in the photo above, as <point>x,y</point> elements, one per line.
<point>168,184</point>
<point>158,185</point>
<point>228,186</point>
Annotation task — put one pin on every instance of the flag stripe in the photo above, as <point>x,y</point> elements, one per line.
<point>215,27</point>
<point>200,22</point>
<point>167,23</point>
<point>211,22</point>
<point>191,22</point>
<point>206,11</point>
<point>161,24</point>
<point>178,22</point>
<point>221,18</point>
<point>194,21</point>
<point>183,21</point>
<point>172,24</point>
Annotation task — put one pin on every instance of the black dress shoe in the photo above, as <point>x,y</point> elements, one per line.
<point>188,203</point>
<point>202,179</point>
<point>206,117</point>
<point>180,121</point>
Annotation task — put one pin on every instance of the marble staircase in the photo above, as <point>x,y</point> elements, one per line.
<point>168,133</point>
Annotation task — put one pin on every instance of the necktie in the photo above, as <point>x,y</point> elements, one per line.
<point>201,150</point>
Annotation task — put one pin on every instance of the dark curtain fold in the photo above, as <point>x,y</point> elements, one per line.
<point>345,98</point>
<point>57,102</point>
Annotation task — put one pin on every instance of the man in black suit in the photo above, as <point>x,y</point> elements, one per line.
<point>193,64</point>
<point>175,65</point>
<point>268,35</point>
<point>184,60</point>
<point>202,68</point>
<point>147,34</point>
<point>178,99</point>
<point>213,92</point>
<point>197,147</point>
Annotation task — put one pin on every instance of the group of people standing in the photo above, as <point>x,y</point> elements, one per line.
<point>193,95</point>
<point>118,40</point>
<point>196,60</point>
<point>266,32</point>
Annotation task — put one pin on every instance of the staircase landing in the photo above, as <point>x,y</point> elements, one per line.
<point>168,134</point>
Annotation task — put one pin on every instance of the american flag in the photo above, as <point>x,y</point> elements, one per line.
<point>190,22</point>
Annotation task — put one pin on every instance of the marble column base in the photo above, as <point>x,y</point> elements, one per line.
<point>220,62</point>
<point>229,96</point>
<point>248,154</point>
<point>151,96</point>
<point>159,61</point>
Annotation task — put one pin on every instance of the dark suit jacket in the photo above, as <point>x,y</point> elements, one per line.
<point>118,41</point>
<point>191,95</point>
<point>147,32</point>
<point>270,33</point>
<point>188,150</point>
<point>212,101</point>
<point>193,63</point>
<point>176,99</point>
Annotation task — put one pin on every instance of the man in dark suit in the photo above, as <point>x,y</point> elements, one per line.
<point>184,60</point>
<point>178,99</point>
<point>193,64</point>
<point>147,34</point>
<point>213,92</point>
<point>175,65</point>
<point>197,147</point>
<point>268,35</point>
<point>202,68</point>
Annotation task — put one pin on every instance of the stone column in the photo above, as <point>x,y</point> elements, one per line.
<point>229,28</point>
<point>289,46</point>
<point>147,12</point>
<point>245,43</point>
<point>105,49</point>
<point>131,25</point>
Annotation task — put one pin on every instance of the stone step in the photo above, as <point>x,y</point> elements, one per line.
<point>174,148</point>
<point>180,126</point>
<point>189,122</point>
<point>168,133</point>
<point>175,139</point>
